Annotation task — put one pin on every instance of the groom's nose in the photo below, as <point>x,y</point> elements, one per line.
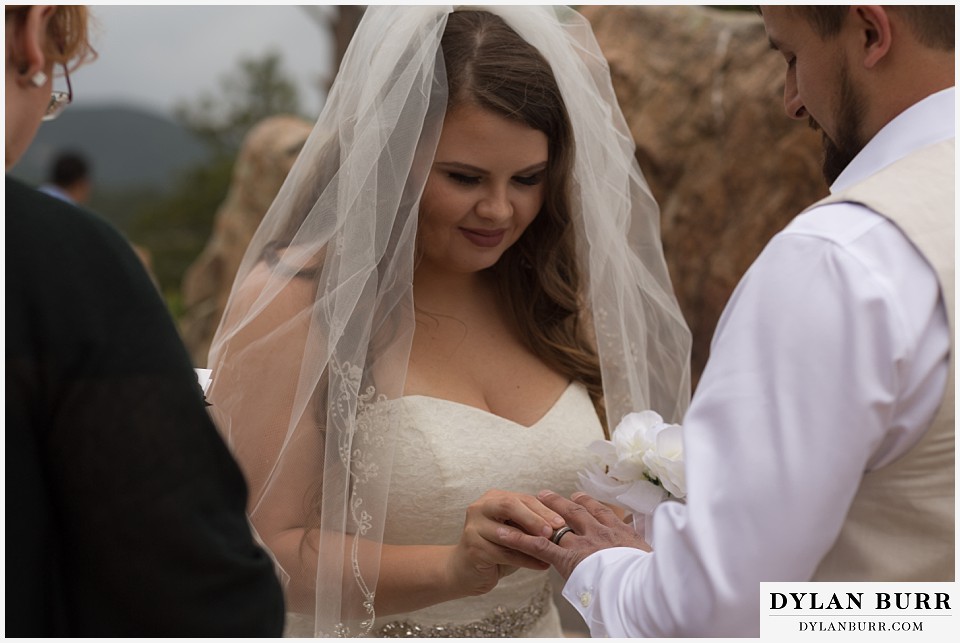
<point>792,103</point>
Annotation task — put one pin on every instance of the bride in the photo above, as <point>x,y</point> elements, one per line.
<point>460,286</point>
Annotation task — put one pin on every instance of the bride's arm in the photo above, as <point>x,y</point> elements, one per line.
<point>415,576</point>
<point>257,360</point>
<point>257,372</point>
<point>410,577</point>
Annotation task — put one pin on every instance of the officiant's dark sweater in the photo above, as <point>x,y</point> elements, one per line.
<point>124,509</point>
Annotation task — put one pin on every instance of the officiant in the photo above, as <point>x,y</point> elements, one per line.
<point>125,511</point>
<point>820,441</point>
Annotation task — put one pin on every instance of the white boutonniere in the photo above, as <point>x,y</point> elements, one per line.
<point>640,467</point>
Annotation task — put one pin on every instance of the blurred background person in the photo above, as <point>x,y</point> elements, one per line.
<point>69,178</point>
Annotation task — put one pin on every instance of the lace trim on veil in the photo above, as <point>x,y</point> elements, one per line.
<point>361,470</point>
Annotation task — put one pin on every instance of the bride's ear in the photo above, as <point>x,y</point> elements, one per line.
<point>26,45</point>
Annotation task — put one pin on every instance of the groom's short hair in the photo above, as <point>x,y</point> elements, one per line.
<point>932,26</point>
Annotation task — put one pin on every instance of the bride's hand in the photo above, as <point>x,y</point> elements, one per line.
<point>478,562</point>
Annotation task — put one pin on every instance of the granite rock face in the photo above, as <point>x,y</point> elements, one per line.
<point>265,159</point>
<point>703,95</point>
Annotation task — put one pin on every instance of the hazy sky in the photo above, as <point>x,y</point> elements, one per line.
<point>156,56</point>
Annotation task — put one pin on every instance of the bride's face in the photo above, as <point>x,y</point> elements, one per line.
<point>486,186</point>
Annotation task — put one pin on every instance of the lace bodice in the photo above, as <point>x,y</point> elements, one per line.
<point>448,454</point>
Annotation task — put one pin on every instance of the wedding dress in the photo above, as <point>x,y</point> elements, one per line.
<point>447,455</point>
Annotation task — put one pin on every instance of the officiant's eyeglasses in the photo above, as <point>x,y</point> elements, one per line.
<point>59,99</point>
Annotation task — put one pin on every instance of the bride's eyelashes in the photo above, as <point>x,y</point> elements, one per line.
<point>533,179</point>
<point>465,179</point>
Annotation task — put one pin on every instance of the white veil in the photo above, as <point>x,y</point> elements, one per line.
<point>320,320</point>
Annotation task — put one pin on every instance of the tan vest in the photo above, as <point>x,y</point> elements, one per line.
<point>900,526</point>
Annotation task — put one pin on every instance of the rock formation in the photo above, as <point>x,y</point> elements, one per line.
<point>702,94</point>
<point>265,158</point>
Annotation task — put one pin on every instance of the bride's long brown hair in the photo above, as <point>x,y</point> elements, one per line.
<point>489,65</point>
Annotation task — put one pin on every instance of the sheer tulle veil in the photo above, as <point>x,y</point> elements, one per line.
<point>319,323</point>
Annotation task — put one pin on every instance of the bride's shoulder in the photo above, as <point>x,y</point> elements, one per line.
<point>287,275</point>
<point>279,290</point>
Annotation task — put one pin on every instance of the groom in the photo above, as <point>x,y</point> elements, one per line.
<point>820,441</point>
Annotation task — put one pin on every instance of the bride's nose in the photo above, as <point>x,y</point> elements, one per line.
<point>495,205</point>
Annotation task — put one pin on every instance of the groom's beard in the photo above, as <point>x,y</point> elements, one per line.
<point>838,154</point>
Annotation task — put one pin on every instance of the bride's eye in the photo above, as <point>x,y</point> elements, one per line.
<point>464,179</point>
<point>533,179</point>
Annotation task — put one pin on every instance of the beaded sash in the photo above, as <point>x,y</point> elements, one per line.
<point>502,623</point>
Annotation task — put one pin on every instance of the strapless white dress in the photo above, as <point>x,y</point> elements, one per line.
<point>447,455</point>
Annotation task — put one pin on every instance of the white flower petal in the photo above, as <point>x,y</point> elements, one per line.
<point>670,441</point>
<point>629,470</point>
<point>640,419</point>
<point>594,482</point>
<point>669,472</point>
<point>604,450</point>
<point>636,424</point>
<point>642,496</point>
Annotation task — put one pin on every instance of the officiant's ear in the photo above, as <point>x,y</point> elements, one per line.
<point>26,32</point>
<point>872,26</point>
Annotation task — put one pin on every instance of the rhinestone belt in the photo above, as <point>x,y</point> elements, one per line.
<point>501,623</point>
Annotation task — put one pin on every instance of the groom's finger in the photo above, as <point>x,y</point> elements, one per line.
<point>576,515</point>
<point>563,560</point>
<point>536,547</point>
<point>597,509</point>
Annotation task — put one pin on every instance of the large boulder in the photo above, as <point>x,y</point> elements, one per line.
<point>265,159</point>
<point>702,94</point>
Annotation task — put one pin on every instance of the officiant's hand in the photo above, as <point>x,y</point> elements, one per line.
<point>594,526</point>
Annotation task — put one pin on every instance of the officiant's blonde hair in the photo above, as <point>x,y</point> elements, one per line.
<point>68,33</point>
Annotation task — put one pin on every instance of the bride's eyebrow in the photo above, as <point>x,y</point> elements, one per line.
<point>533,169</point>
<point>465,167</point>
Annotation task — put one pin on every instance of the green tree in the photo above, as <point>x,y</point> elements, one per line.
<point>176,227</point>
<point>257,89</point>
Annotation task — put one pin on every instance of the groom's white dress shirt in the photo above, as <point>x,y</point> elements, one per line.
<point>830,360</point>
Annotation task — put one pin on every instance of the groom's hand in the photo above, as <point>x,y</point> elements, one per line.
<point>594,525</point>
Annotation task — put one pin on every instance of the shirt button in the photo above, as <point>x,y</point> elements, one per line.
<point>585,599</point>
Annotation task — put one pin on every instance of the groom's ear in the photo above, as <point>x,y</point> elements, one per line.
<point>875,36</point>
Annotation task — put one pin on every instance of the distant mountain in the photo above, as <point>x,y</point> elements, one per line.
<point>127,147</point>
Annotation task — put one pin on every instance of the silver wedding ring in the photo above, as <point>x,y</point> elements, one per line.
<point>558,534</point>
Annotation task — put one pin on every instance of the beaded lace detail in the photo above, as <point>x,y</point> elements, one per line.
<point>502,623</point>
